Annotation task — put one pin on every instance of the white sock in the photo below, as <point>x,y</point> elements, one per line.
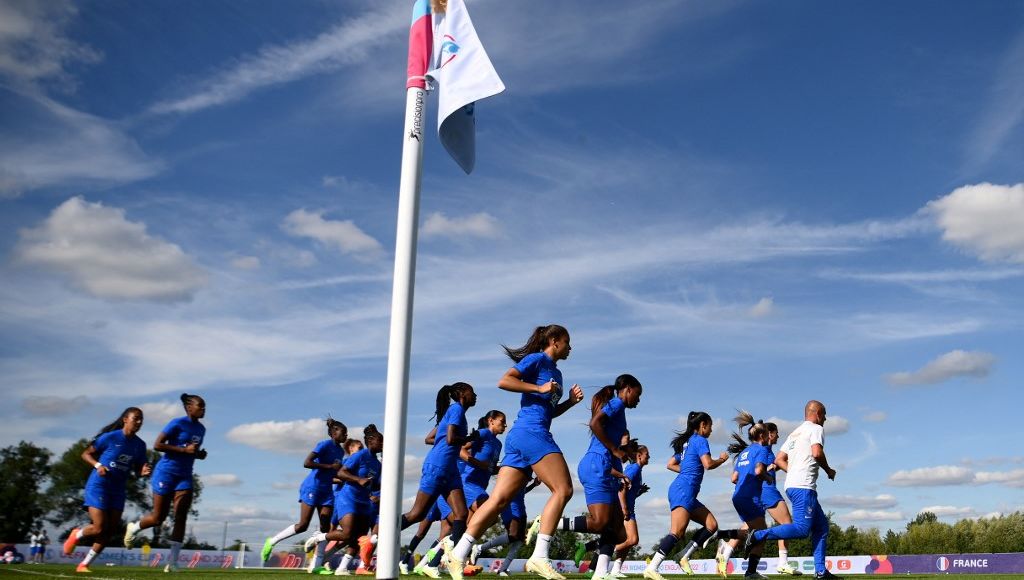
<point>656,561</point>
<point>318,556</point>
<point>727,551</point>
<point>89,557</point>
<point>541,549</point>
<point>513,551</point>
<point>373,539</point>
<point>346,561</point>
<point>783,555</point>
<point>617,566</point>
<point>285,533</point>
<point>690,549</point>
<point>78,534</point>
<point>602,565</point>
<point>461,551</point>
<point>494,542</point>
<point>175,550</point>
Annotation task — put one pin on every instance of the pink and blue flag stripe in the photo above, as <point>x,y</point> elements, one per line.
<point>421,44</point>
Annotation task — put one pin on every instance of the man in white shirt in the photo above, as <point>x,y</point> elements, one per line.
<point>801,457</point>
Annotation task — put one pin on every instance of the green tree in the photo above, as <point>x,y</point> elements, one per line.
<point>238,544</point>
<point>22,469</point>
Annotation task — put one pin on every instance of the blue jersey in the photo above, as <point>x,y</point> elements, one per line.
<point>747,483</point>
<point>536,410</point>
<point>487,448</point>
<point>120,454</point>
<point>769,458</point>
<point>614,427</point>
<point>442,454</point>
<point>691,468</point>
<point>181,432</point>
<point>636,478</point>
<point>326,452</point>
<point>362,463</point>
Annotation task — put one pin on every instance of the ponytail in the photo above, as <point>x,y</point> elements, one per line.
<point>445,396</point>
<point>538,341</point>
<point>492,414</point>
<point>332,423</point>
<point>756,430</point>
<point>117,423</point>
<point>601,398</point>
<point>693,421</point>
<point>737,446</point>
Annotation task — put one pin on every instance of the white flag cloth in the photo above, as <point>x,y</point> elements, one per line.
<point>463,74</point>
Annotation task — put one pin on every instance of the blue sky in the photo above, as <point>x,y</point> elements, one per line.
<point>744,205</point>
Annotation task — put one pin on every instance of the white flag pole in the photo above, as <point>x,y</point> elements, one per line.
<point>396,403</point>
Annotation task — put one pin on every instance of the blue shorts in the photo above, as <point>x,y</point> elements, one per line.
<point>525,448</point>
<point>599,486</point>
<point>345,506</point>
<point>749,508</point>
<point>316,496</point>
<point>474,493</point>
<point>443,509</point>
<point>683,494</point>
<point>439,480</point>
<point>104,499</point>
<point>770,497</point>
<point>164,482</point>
<point>515,510</point>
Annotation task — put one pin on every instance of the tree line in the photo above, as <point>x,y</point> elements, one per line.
<point>36,487</point>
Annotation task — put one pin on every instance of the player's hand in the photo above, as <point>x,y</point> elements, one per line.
<point>191,448</point>
<point>644,488</point>
<point>547,387</point>
<point>576,394</point>
<point>723,457</point>
<point>146,470</point>
<point>201,454</point>
<point>831,473</point>
<point>102,470</point>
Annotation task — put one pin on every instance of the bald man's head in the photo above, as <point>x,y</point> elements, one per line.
<point>814,411</point>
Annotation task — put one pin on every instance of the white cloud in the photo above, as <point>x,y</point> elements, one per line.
<point>221,480</point>
<point>1002,114</point>
<point>957,363</point>
<point>343,235</point>
<point>246,263</point>
<point>65,147</point>
<point>286,486</point>
<point>985,220</point>
<point>345,44</point>
<point>948,511</point>
<point>878,502</point>
<point>412,467</point>
<point>290,437</point>
<point>52,406</point>
<point>931,476</point>
<point>478,225</point>
<point>876,417</point>
<point>108,256</point>
<point>161,413</point>
<point>34,45</point>
<point>1014,478</point>
<point>873,516</point>
<point>764,307</point>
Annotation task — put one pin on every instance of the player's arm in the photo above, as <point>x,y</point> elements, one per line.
<point>818,454</point>
<point>89,456</point>
<point>782,461</point>
<point>575,396</point>
<point>673,464</point>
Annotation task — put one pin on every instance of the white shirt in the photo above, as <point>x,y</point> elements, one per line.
<point>33,541</point>
<point>803,469</point>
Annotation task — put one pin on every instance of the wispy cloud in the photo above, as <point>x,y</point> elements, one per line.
<point>865,515</point>
<point>878,502</point>
<point>46,144</point>
<point>1004,112</point>
<point>34,44</point>
<point>108,256</point>
<point>478,225</point>
<point>51,406</point>
<point>345,44</point>
<point>953,364</point>
<point>932,476</point>
<point>221,480</point>
<point>290,437</point>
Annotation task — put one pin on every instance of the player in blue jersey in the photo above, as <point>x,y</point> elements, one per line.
<point>361,474</point>
<point>628,495</point>
<point>440,476</point>
<point>315,492</point>
<point>114,453</point>
<point>529,446</point>
<point>752,469</point>
<point>600,470</point>
<point>181,442</point>
<point>478,460</point>
<point>692,458</point>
